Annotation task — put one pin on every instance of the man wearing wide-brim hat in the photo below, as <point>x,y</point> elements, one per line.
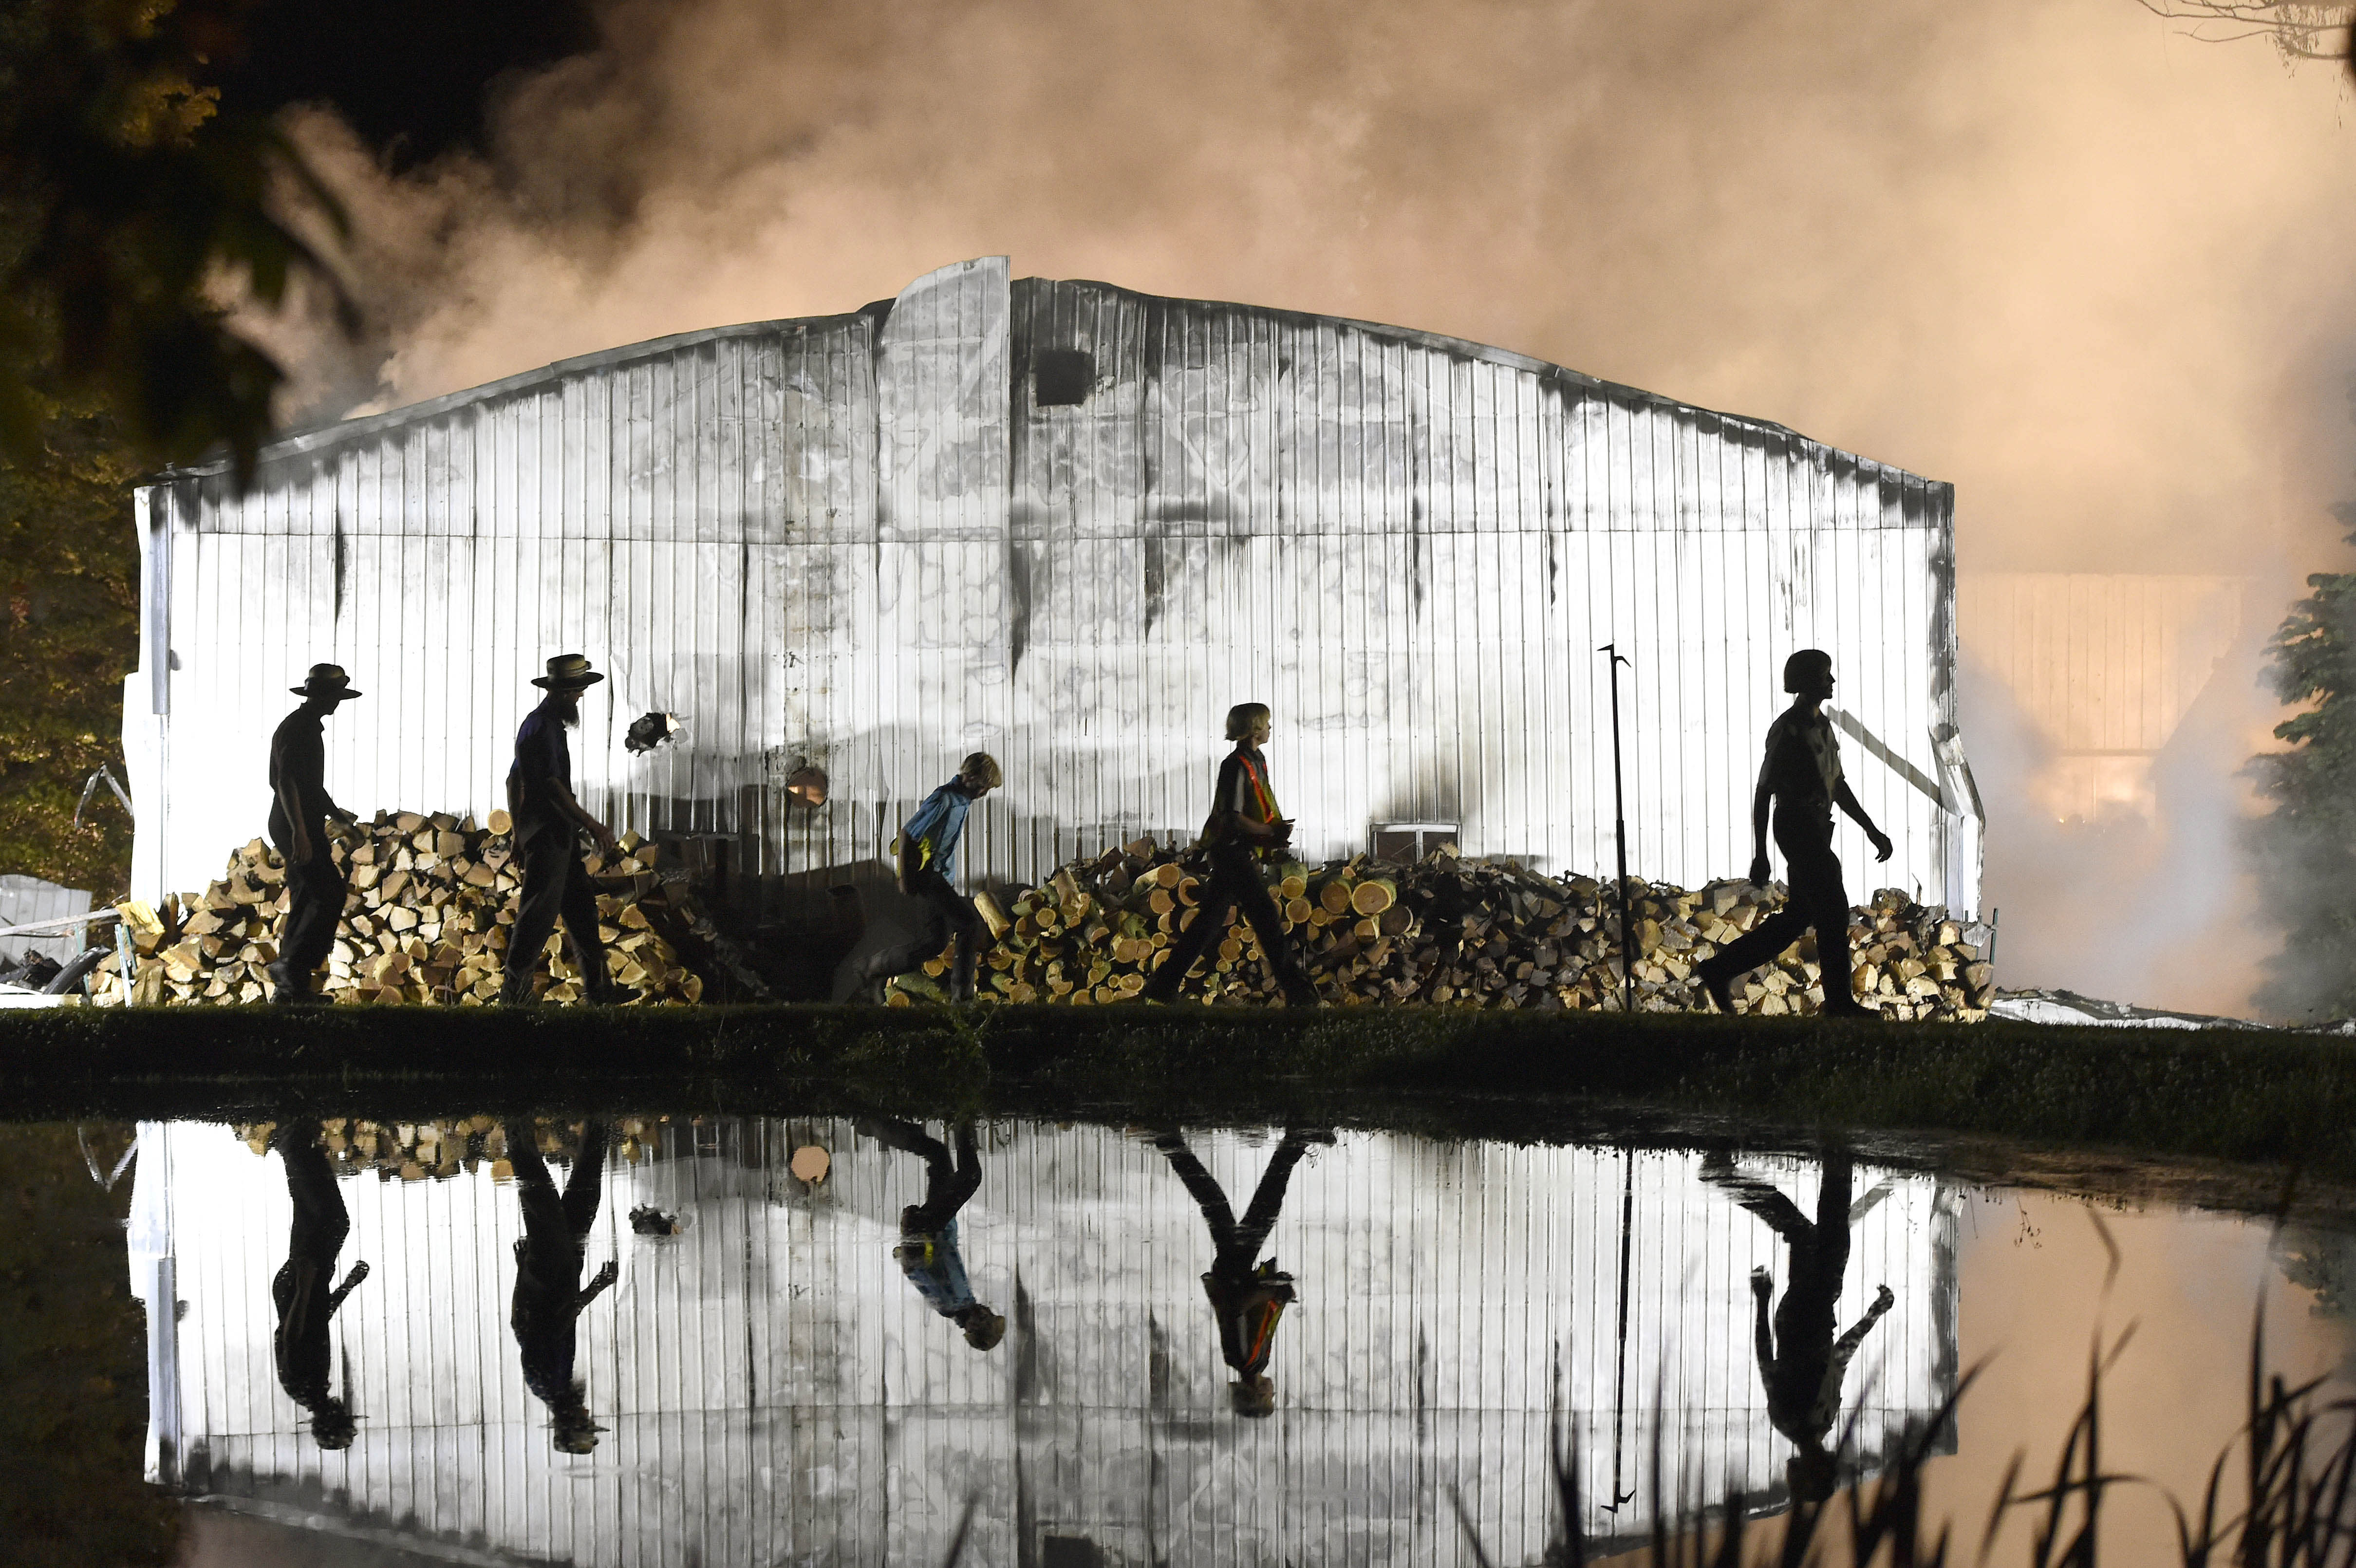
<point>299,808</point>
<point>549,823</point>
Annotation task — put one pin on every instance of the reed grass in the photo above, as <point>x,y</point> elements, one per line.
<point>2294,1457</point>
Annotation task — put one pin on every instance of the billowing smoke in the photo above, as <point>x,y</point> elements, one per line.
<point>2091,269</point>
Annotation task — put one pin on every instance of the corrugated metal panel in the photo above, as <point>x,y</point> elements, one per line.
<point>27,900</point>
<point>868,544</point>
<point>776,1391</point>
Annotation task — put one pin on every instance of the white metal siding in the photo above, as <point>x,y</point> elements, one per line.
<point>776,1391</point>
<point>864,545</point>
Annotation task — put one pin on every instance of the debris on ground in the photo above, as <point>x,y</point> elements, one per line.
<point>432,899</point>
<point>1449,932</point>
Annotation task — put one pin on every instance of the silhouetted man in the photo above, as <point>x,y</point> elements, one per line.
<point>1247,1293</point>
<point>927,1250</point>
<point>299,808</point>
<point>928,867</point>
<point>304,1289</point>
<point>1801,776</point>
<point>549,1300</point>
<point>549,823</point>
<point>1243,827</point>
<point>1800,1361</point>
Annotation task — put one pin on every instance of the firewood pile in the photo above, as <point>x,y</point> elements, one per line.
<point>432,899</point>
<point>437,1150</point>
<point>1448,932</point>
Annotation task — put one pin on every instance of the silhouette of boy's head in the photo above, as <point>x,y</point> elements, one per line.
<point>1254,1396</point>
<point>1811,1474</point>
<point>1244,718</point>
<point>1807,669</point>
<point>332,1425</point>
<point>983,1328</point>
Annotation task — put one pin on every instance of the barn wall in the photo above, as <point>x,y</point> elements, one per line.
<point>776,1391</point>
<point>861,540</point>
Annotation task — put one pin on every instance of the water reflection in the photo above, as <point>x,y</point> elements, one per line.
<point>1801,1365</point>
<point>303,1290</point>
<point>771,1388</point>
<point>550,1255</point>
<point>928,1250</point>
<point>1247,1296</point>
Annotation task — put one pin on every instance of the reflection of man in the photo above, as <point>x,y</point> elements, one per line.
<point>1247,1293</point>
<point>548,1294</point>
<point>299,808</point>
<point>1800,1361</point>
<point>928,1252</point>
<point>303,1290</point>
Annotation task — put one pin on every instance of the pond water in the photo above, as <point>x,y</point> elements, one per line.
<point>818,1340</point>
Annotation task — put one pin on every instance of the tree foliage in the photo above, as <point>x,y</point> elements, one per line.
<point>133,201</point>
<point>2306,845</point>
<point>68,635</point>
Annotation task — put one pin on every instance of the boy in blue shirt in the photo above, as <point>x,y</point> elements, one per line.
<point>928,862</point>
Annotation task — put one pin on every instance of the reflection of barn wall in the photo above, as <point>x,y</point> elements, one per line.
<point>879,541</point>
<point>2104,666</point>
<point>777,1392</point>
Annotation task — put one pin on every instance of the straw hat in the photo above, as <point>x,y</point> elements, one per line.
<point>568,673</point>
<point>324,680</point>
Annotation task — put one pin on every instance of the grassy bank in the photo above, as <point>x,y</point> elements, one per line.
<point>2212,1094</point>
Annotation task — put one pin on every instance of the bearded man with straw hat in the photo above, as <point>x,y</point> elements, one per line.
<point>549,823</point>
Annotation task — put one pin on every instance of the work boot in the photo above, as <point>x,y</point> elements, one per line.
<point>612,995</point>
<point>288,989</point>
<point>1720,985</point>
<point>1299,993</point>
<point>1850,1007</point>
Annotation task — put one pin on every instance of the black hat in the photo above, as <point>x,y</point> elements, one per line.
<point>324,680</point>
<point>568,673</point>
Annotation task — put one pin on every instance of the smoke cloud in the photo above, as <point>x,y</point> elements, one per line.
<point>2089,269</point>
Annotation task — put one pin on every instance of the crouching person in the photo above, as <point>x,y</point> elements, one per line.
<point>928,869</point>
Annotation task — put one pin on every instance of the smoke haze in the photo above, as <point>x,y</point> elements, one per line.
<point>2092,270</point>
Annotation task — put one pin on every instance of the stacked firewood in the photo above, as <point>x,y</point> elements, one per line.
<point>432,899</point>
<point>1449,932</point>
<point>420,1150</point>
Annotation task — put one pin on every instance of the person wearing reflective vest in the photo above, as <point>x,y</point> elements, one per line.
<point>1244,825</point>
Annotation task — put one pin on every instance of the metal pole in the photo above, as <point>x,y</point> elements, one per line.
<point>1620,827</point>
<point>1619,1381</point>
<point>127,957</point>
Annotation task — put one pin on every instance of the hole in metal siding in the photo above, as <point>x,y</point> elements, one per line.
<point>1061,377</point>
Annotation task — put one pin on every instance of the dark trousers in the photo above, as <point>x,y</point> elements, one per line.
<point>1796,1351</point>
<point>948,1184</point>
<point>555,882</point>
<point>1235,1248</point>
<point>315,890</point>
<point>305,1287</point>
<point>953,914</point>
<point>1234,887</point>
<point>1818,901</point>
